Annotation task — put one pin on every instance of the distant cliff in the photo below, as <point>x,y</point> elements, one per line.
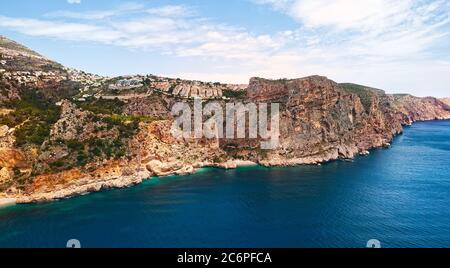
<point>446,101</point>
<point>323,120</point>
<point>65,132</point>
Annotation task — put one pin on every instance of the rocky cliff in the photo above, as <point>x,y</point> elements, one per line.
<point>446,101</point>
<point>323,120</point>
<point>73,132</point>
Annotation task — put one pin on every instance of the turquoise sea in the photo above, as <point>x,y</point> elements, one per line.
<point>400,196</point>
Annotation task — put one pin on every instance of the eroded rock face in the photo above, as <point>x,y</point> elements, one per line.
<point>264,90</point>
<point>6,137</point>
<point>193,89</point>
<point>8,90</point>
<point>155,107</point>
<point>446,101</point>
<point>77,124</point>
<point>421,109</point>
<point>6,174</point>
<point>12,158</point>
<point>320,121</point>
<point>159,168</point>
<point>3,131</point>
<point>197,89</point>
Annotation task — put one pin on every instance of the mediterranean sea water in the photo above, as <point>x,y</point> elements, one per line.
<point>400,196</point>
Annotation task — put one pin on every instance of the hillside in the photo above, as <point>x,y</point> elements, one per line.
<point>65,132</point>
<point>12,45</point>
<point>446,101</point>
<point>366,94</point>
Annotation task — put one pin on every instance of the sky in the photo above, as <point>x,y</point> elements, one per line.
<point>402,46</point>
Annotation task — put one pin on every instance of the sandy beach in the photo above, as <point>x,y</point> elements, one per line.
<point>4,202</point>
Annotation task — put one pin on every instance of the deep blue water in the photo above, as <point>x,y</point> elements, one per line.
<point>400,196</point>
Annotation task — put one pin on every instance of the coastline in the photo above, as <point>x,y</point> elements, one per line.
<point>286,200</point>
<point>6,202</point>
<point>89,149</point>
<point>87,186</point>
<point>84,187</point>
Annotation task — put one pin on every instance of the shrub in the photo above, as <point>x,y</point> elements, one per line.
<point>102,106</point>
<point>33,118</point>
<point>234,94</point>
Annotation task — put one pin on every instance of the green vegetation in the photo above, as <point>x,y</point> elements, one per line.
<point>97,149</point>
<point>401,95</point>
<point>133,118</point>
<point>33,117</point>
<point>146,81</point>
<point>235,150</point>
<point>126,129</point>
<point>127,125</point>
<point>365,94</point>
<point>65,89</point>
<point>234,94</point>
<point>102,106</point>
<point>113,146</point>
<point>106,148</point>
<point>83,152</point>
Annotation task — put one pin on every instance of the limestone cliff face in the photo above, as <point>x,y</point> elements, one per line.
<point>446,101</point>
<point>264,90</point>
<point>322,121</point>
<point>155,107</point>
<point>101,140</point>
<point>178,88</point>
<point>420,109</point>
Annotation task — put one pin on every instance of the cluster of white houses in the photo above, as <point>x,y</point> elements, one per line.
<point>88,80</point>
<point>176,87</point>
<point>123,84</point>
<point>32,77</point>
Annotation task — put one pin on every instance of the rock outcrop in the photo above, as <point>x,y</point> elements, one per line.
<point>159,168</point>
<point>321,121</point>
<point>446,101</point>
<point>421,109</point>
<point>117,136</point>
<point>193,89</point>
<point>179,88</point>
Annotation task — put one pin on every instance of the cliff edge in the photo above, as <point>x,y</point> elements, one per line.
<point>65,132</point>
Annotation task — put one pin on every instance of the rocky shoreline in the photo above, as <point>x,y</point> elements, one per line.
<point>86,186</point>
<point>83,187</point>
<point>158,169</point>
<point>5,202</point>
<point>119,175</point>
<point>71,143</point>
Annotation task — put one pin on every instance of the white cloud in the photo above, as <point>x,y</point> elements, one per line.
<point>277,4</point>
<point>374,15</point>
<point>369,39</point>
<point>171,11</point>
<point>91,15</point>
<point>345,14</point>
<point>128,8</point>
<point>373,43</point>
<point>74,1</point>
<point>61,30</point>
<point>172,29</point>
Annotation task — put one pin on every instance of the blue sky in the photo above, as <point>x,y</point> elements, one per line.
<point>400,46</point>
